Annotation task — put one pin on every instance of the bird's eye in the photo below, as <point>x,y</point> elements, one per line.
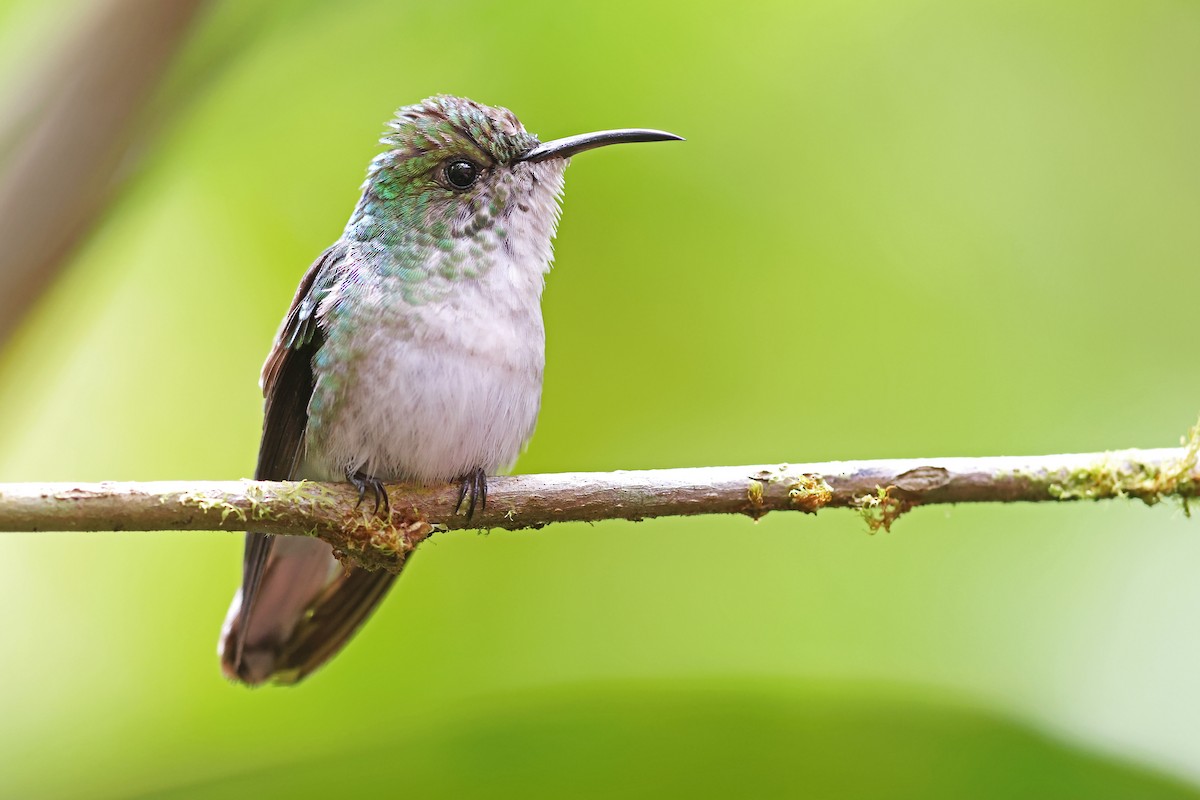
<point>461,174</point>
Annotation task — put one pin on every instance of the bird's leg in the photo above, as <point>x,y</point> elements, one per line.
<point>475,484</point>
<point>362,481</point>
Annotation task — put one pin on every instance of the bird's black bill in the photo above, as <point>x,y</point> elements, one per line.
<point>570,145</point>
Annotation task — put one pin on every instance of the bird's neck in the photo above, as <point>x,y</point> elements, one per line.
<point>422,252</point>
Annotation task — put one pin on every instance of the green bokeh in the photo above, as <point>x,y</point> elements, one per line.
<point>896,229</point>
<point>657,740</point>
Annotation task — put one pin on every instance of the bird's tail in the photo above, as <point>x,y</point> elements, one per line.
<point>305,608</point>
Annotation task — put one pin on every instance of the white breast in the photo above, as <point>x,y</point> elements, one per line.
<point>455,389</point>
<point>453,384</point>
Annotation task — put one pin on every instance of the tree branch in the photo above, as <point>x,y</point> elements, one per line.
<point>880,490</point>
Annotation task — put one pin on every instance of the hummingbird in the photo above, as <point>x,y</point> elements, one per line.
<point>413,351</point>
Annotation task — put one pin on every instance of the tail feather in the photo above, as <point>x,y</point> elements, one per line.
<point>339,612</point>
<point>306,607</point>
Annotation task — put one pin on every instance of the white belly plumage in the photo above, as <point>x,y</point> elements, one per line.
<point>455,388</point>
<point>428,415</point>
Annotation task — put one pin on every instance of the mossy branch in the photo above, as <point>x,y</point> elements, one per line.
<point>879,490</point>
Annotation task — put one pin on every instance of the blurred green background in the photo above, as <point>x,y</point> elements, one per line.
<point>896,229</point>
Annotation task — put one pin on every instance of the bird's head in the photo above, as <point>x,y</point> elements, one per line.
<point>465,180</point>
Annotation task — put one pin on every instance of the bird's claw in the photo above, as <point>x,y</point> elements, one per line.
<point>473,483</point>
<point>362,481</point>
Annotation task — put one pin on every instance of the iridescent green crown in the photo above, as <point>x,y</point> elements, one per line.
<point>436,122</point>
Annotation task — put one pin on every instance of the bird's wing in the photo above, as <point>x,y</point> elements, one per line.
<point>296,606</point>
<point>287,384</point>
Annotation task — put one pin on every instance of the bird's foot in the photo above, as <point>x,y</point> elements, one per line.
<point>473,483</point>
<point>363,482</point>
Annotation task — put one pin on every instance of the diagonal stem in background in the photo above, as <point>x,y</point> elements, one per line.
<point>66,139</point>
